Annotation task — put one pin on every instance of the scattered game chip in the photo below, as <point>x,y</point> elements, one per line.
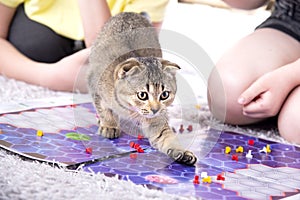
<point>249,154</point>
<point>89,150</point>
<point>39,133</point>
<point>181,129</point>
<point>196,179</point>
<point>190,128</point>
<point>235,157</point>
<point>227,150</point>
<point>240,149</point>
<point>206,179</point>
<point>203,174</point>
<point>220,177</point>
<point>251,142</point>
<point>198,106</point>
<point>140,137</point>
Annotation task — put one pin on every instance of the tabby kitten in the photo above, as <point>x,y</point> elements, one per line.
<point>129,79</point>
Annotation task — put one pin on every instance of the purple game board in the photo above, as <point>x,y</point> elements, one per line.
<point>67,134</point>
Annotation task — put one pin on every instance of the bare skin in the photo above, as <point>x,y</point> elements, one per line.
<point>63,74</point>
<point>256,79</point>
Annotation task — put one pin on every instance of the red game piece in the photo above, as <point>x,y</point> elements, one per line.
<point>133,155</point>
<point>140,137</point>
<point>140,150</point>
<point>131,144</point>
<point>235,157</point>
<point>136,146</point>
<point>89,150</point>
<point>73,105</point>
<point>190,128</point>
<point>251,142</point>
<point>196,179</point>
<point>181,128</point>
<point>220,177</point>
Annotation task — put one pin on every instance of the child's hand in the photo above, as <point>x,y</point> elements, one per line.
<point>68,73</point>
<point>266,95</point>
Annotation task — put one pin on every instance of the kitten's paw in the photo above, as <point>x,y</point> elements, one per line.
<point>185,157</point>
<point>109,132</point>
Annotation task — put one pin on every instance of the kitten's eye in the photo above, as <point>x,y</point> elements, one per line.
<point>142,96</point>
<point>164,95</point>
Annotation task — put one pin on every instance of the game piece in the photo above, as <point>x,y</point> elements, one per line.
<point>249,155</point>
<point>220,177</point>
<point>131,144</point>
<point>203,174</point>
<point>235,157</point>
<point>73,105</point>
<point>136,146</point>
<point>181,129</point>
<point>190,128</point>
<point>1,131</point>
<point>268,148</point>
<point>206,179</point>
<point>251,142</point>
<point>140,137</point>
<point>140,150</point>
<point>198,106</point>
<point>39,133</point>
<point>227,150</point>
<point>133,155</point>
<point>263,150</point>
<point>89,150</point>
<point>240,149</point>
<point>196,179</point>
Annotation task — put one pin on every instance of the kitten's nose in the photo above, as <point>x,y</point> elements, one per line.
<point>154,110</point>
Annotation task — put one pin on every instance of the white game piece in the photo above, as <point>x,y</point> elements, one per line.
<point>203,174</point>
<point>263,150</point>
<point>249,155</point>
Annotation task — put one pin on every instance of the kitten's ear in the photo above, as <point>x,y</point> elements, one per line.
<point>169,66</point>
<point>127,68</point>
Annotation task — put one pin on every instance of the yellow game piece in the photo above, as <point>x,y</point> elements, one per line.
<point>198,106</point>
<point>206,179</point>
<point>240,149</point>
<point>268,148</point>
<point>39,133</point>
<point>227,150</point>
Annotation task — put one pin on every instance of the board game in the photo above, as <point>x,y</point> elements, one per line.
<point>64,133</point>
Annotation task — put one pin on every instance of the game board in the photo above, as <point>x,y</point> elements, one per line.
<point>69,130</point>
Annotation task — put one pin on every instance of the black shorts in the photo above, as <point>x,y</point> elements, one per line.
<point>39,42</point>
<point>285,17</point>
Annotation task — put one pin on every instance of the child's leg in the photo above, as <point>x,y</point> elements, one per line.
<point>289,117</point>
<point>37,41</point>
<point>262,51</point>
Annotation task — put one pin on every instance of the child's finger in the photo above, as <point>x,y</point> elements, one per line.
<point>251,93</point>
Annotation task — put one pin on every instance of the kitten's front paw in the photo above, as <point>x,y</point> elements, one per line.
<point>185,157</point>
<point>109,132</point>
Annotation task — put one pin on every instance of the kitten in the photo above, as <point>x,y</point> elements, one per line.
<point>128,78</point>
